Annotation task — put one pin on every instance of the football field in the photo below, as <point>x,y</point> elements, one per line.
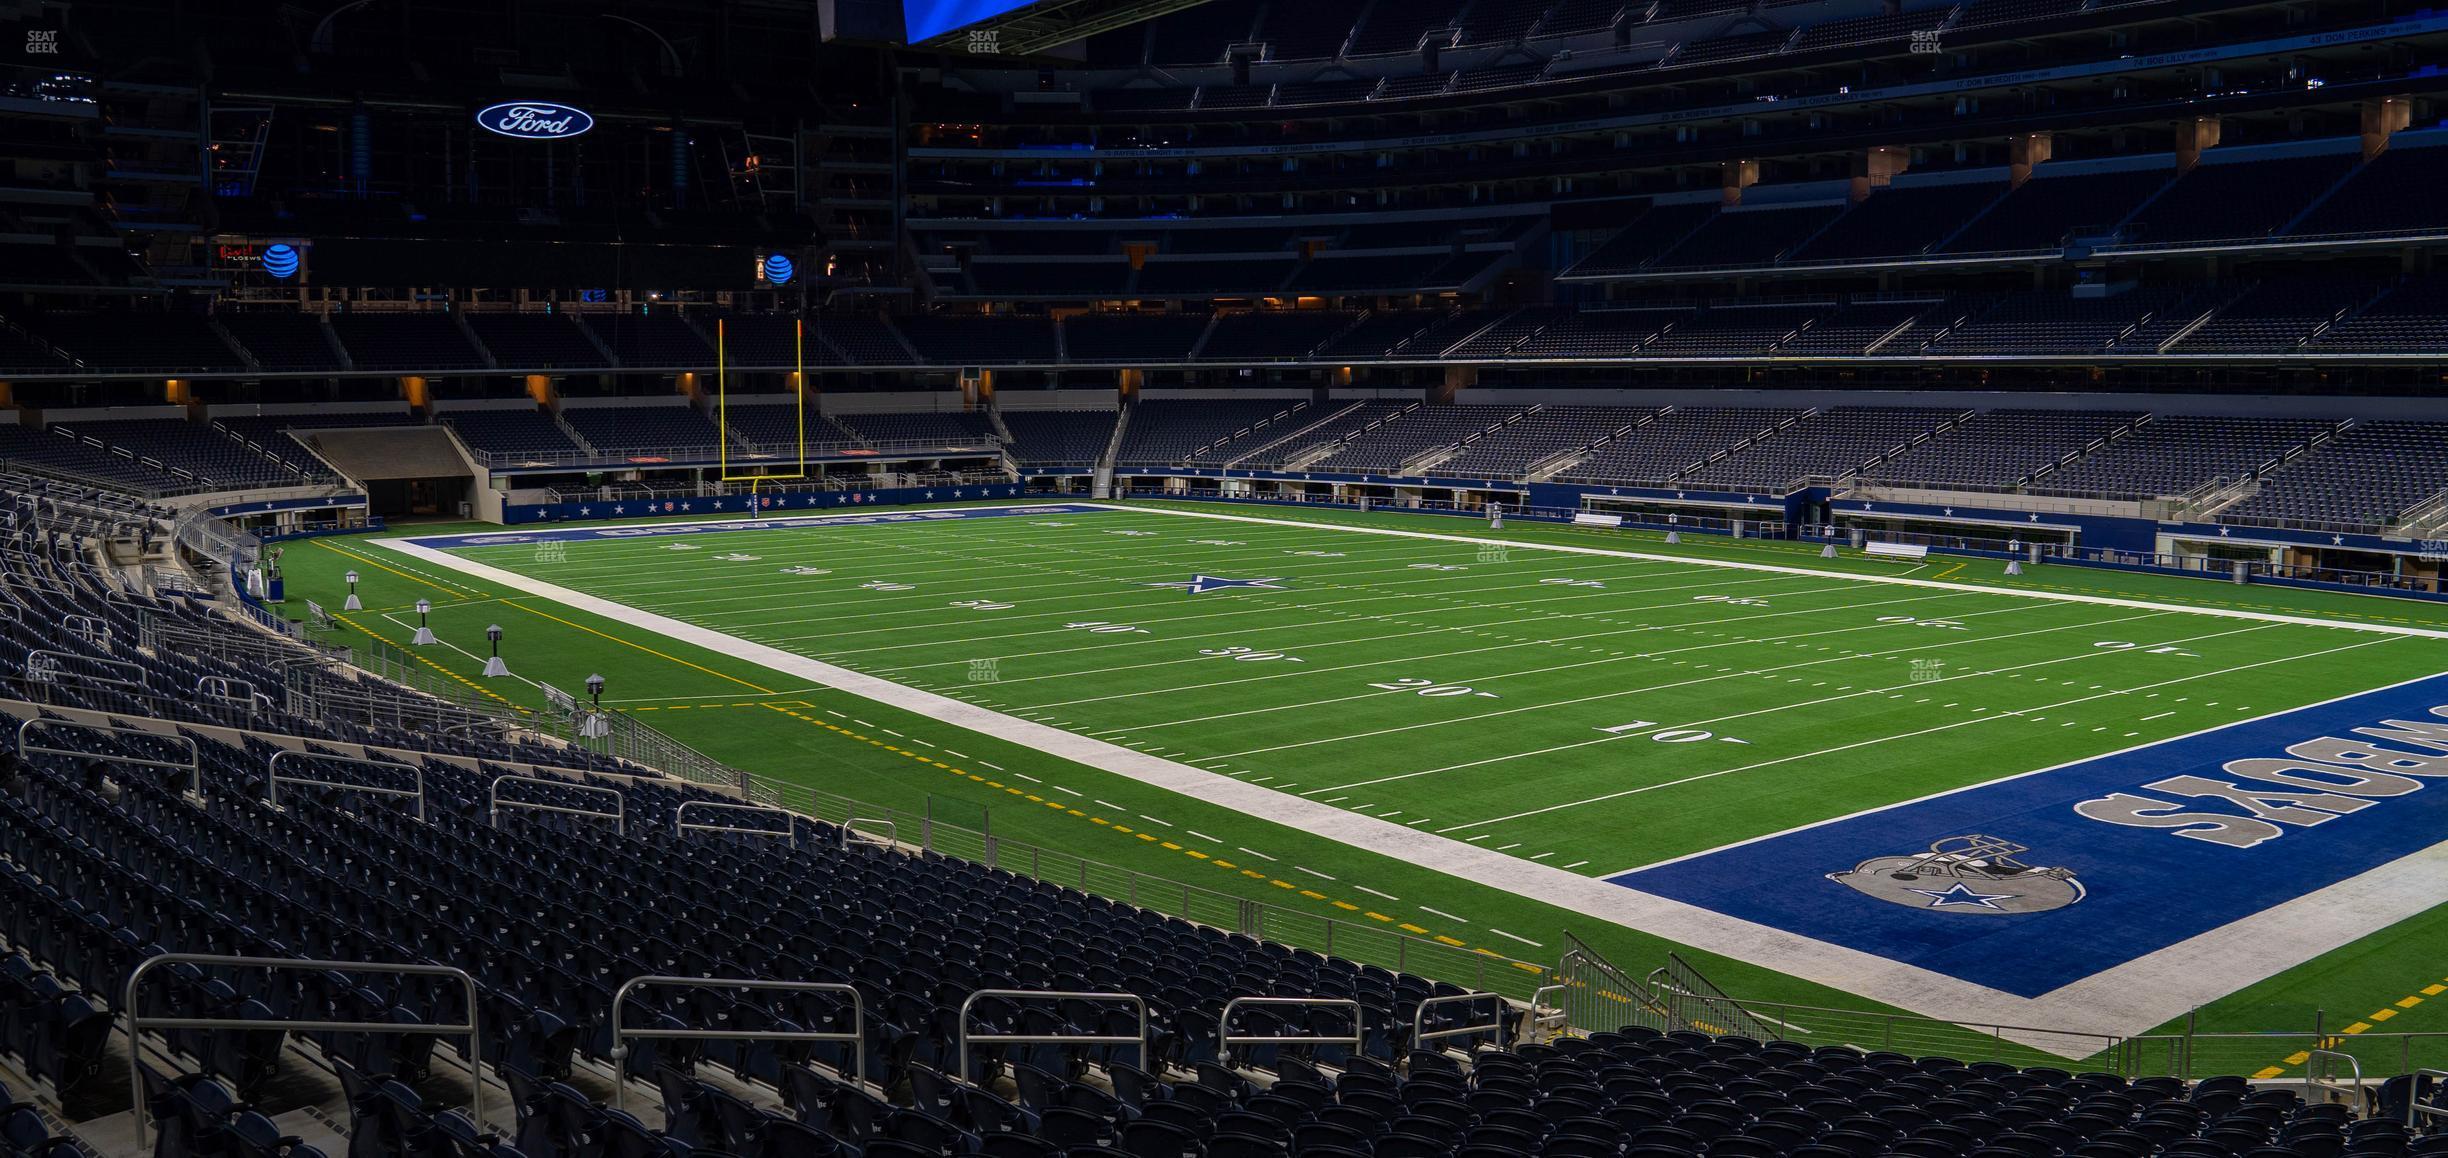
<point>1702,742</point>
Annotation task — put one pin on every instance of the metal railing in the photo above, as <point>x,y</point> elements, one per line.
<point>2320,1073</point>
<point>26,747</point>
<point>1364,942</point>
<point>1916,1034</point>
<point>494,802</point>
<point>1718,1012</point>
<point>707,452</point>
<point>621,737</point>
<point>856,1039</point>
<point>1595,995</point>
<point>789,830</point>
<point>850,832</point>
<point>1546,1020</point>
<point>273,778</point>
<point>2190,1054</point>
<point>45,666</point>
<point>137,1022</point>
<point>962,1038</point>
<point>1226,1038</point>
<point>1421,1035</point>
<point>2415,1110</point>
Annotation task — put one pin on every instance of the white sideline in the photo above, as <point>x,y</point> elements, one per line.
<point>1778,569</point>
<point>2131,998</point>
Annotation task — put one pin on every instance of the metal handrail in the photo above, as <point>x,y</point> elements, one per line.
<point>137,1022</point>
<point>2318,1075</point>
<point>494,802</point>
<point>1226,1039</point>
<point>227,688</point>
<point>1546,1022</point>
<point>194,762</point>
<point>2415,1110</point>
<point>51,672</point>
<point>707,452</point>
<point>1421,1034</point>
<point>273,779</point>
<point>962,1039</point>
<point>891,837</point>
<point>788,831</point>
<point>856,1038</point>
<point>88,629</point>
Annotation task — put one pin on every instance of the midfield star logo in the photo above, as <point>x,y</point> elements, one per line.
<point>1202,584</point>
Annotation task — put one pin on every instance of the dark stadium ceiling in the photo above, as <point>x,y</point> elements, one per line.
<point>1050,24</point>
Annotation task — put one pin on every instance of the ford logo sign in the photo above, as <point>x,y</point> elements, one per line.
<point>534,120</point>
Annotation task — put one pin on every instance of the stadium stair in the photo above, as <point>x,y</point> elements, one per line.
<point>331,339</point>
<point>231,340</point>
<point>1201,344</point>
<point>1555,464</point>
<point>459,318</point>
<point>1295,435</point>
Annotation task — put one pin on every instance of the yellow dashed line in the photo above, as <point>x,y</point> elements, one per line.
<point>1100,821</point>
<point>479,688</point>
<point>641,647</point>
<point>445,586</point>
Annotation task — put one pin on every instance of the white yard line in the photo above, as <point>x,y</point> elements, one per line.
<point>1771,710</point>
<point>1736,673</point>
<point>1876,740</point>
<point>1486,631</point>
<point>1780,569</point>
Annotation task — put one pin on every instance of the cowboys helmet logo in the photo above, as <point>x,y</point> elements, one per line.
<point>1965,874</point>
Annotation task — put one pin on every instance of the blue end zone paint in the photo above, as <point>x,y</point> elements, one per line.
<point>2144,889</point>
<point>660,530</point>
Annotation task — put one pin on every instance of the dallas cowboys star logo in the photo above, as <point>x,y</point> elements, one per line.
<point>1202,584</point>
<point>1960,895</point>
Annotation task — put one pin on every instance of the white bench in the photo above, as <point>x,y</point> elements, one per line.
<point>1594,519</point>
<point>1896,550</point>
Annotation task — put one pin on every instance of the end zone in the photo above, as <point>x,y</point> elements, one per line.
<point>2042,880</point>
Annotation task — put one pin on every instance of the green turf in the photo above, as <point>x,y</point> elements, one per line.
<point>1818,694</point>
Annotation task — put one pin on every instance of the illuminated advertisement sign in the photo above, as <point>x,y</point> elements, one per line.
<point>534,120</point>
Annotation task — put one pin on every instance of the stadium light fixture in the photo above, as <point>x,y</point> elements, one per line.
<point>493,663</point>
<point>424,634</point>
<point>594,687</point>
<point>352,604</point>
